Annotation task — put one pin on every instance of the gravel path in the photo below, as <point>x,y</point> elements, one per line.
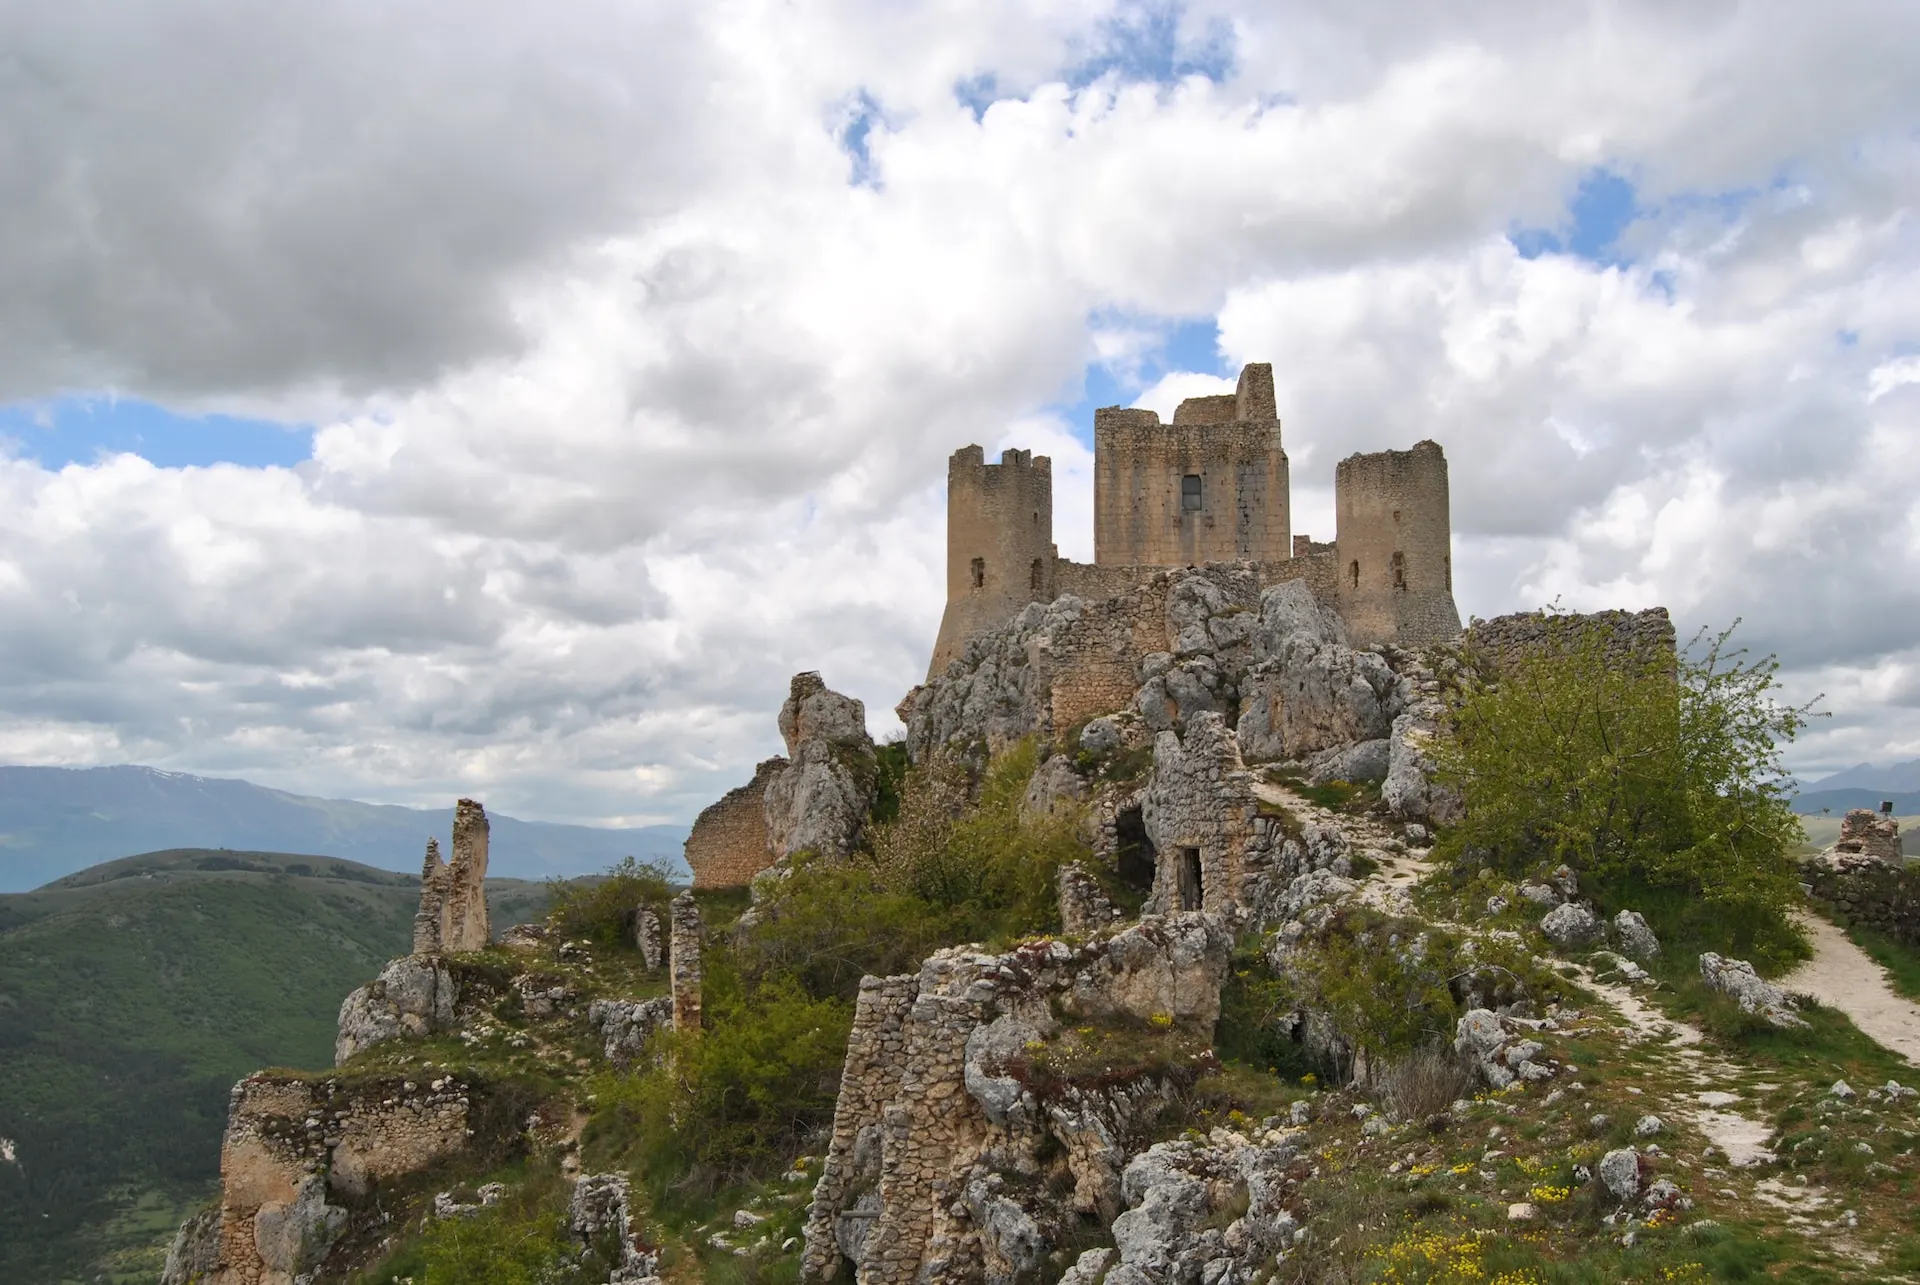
<point>1841,975</point>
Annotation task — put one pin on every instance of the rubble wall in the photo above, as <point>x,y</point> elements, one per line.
<point>728,844</point>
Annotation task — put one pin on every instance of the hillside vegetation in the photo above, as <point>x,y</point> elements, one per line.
<point>132,996</point>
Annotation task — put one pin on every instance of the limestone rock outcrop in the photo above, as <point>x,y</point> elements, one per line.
<point>1737,979</point>
<point>413,997</point>
<point>961,1076</point>
<point>819,801</point>
<point>195,1251</point>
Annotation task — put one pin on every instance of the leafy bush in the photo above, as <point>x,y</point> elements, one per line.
<point>737,1100</point>
<point>993,870</point>
<point>1642,774</point>
<point>602,909</point>
<point>523,1240</point>
<point>833,923</point>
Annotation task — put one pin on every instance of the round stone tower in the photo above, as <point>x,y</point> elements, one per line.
<point>1394,547</point>
<point>1000,554</point>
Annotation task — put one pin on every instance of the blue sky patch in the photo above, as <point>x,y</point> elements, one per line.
<point>1192,345</point>
<point>1141,42</point>
<point>863,113</point>
<point>79,430</point>
<point>1601,209</point>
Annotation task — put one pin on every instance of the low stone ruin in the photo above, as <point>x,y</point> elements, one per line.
<point>453,897</point>
<point>1865,833</point>
<point>683,965</point>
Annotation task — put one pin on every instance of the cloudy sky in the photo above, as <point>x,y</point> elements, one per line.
<point>402,400</point>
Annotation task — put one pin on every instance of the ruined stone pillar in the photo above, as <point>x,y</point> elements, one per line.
<point>429,919</point>
<point>465,925</point>
<point>646,935</point>
<point>684,962</point>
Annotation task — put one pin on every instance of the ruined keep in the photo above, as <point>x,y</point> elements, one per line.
<point>1210,488</point>
<point>453,897</point>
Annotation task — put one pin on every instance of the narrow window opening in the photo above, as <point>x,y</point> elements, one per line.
<point>979,573</point>
<point>1399,570</point>
<point>1396,515</point>
<point>1192,894</point>
<point>1039,576</point>
<point>1190,492</point>
<point>1036,517</point>
<point>1353,574</point>
<point>1133,852</point>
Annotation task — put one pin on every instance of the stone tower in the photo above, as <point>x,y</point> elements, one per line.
<point>1000,552</point>
<point>1394,547</point>
<point>1210,487</point>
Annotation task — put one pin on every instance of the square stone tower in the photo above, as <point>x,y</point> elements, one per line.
<point>1394,547</point>
<point>1210,487</point>
<point>1000,553</point>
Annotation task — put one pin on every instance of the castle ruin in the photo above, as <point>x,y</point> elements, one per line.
<point>453,897</point>
<point>1211,487</point>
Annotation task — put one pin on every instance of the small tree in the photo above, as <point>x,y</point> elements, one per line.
<point>1657,777</point>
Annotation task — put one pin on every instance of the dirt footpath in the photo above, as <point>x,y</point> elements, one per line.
<point>1841,975</point>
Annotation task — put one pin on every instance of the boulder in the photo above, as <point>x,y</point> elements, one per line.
<point>1620,1173</point>
<point>1308,697</point>
<point>1100,736</point>
<point>1540,894</point>
<point>294,1236</point>
<point>819,801</point>
<point>1635,938</point>
<point>413,997</point>
<point>1737,979</point>
<point>1572,927</point>
<point>1290,611</point>
<point>1364,761</point>
<point>1054,790</point>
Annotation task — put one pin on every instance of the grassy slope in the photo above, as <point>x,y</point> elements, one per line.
<point>132,996</point>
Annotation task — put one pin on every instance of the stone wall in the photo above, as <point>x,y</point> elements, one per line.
<point>1200,813</point>
<point>1867,890</point>
<point>683,961</point>
<point>293,1147</point>
<point>1394,545</point>
<point>1638,636</point>
<point>728,844</point>
<point>1866,833</point>
<point>936,1096</point>
<point>1142,515</point>
<point>999,543</point>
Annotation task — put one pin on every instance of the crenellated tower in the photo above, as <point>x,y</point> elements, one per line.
<point>1394,547</point>
<point>1000,553</point>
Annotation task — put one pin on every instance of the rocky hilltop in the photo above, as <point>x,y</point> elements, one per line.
<point>1153,982</point>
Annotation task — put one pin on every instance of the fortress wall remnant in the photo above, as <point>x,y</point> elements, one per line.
<point>1210,487</point>
<point>1000,552</point>
<point>466,926</point>
<point>683,961</point>
<point>728,844</point>
<point>429,921</point>
<point>1646,636</point>
<point>1395,548</point>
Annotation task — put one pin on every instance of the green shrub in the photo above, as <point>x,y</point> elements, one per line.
<point>1641,774</point>
<point>523,1240</point>
<point>893,765</point>
<point>737,1100</point>
<point>833,923</point>
<point>602,909</point>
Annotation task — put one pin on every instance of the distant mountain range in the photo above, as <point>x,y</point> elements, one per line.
<point>1901,778</point>
<point>54,821</point>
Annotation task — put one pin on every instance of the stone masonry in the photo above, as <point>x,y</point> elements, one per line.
<point>292,1144</point>
<point>683,966</point>
<point>1867,833</point>
<point>1211,488</point>
<point>728,844</point>
<point>934,1097</point>
<point>453,898</point>
<point>646,936</point>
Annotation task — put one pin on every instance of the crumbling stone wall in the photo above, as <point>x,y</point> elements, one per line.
<point>683,967</point>
<point>1866,833</point>
<point>933,1101</point>
<point>293,1146</point>
<point>1643,637</point>
<point>1868,890</point>
<point>1200,812</point>
<point>728,845</point>
<point>453,898</point>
